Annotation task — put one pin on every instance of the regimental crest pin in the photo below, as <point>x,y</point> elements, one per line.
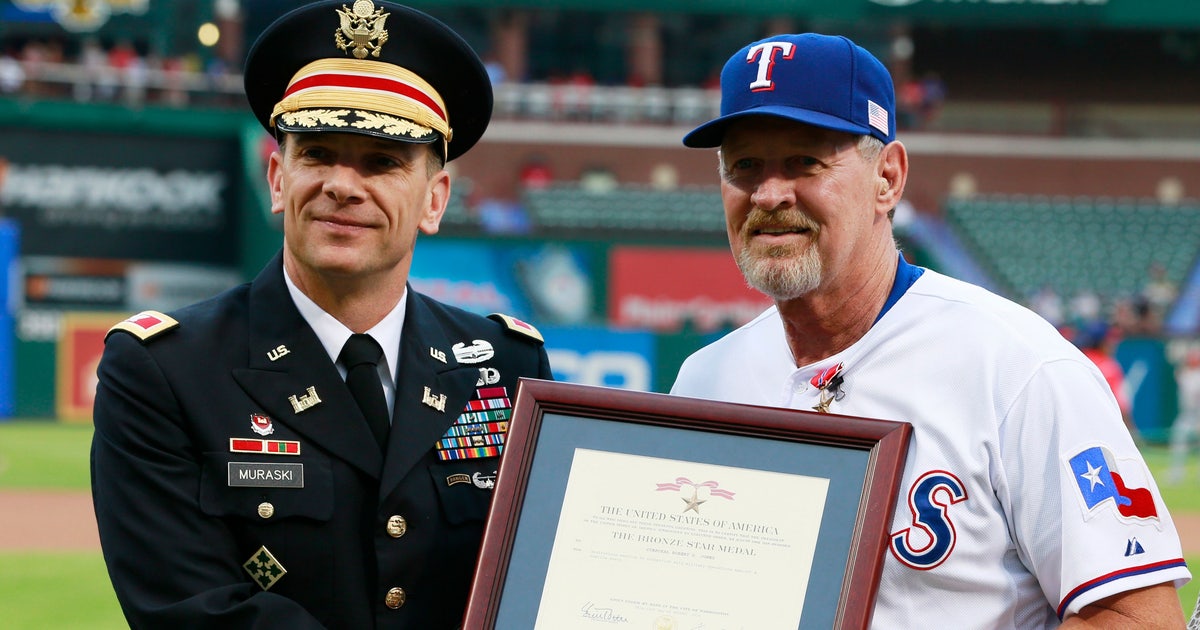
<point>264,569</point>
<point>261,424</point>
<point>361,32</point>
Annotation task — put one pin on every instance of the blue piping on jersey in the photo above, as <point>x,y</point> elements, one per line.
<point>906,275</point>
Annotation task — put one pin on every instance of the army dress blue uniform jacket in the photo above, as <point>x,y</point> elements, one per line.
<point>180,511</point>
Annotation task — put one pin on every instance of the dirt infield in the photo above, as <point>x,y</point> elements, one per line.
<point>45,520</point>
<point>54,521</point>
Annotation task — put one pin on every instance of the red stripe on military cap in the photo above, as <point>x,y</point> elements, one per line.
<point>360,82</point>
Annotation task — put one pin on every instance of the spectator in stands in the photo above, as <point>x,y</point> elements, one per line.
<point>1098,342</point>
<point>12,75</point>
<point>1086,309</point>
<point>1160,292</point>
<point>173,89</point>
<point>572,94</point>
<point>910,97</point>
<point>123,60</point>
<point>1049,304</point>
<point>664,177</point>
<point>103,86</point>
<point>34,56</point>
<point>933,96</point>
<point>1013,474</point>
<point>535,173</point>
<point>137,79</point>
<point>598,179</point>
<point>1186,428</point>
<point>495,70</point>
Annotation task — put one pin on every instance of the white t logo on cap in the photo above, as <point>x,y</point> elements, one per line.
<point>765,52</point>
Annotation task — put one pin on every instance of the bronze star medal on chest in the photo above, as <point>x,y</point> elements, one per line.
<point>828,384</point>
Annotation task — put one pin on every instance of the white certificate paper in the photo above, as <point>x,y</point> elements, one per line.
<point>662,544</point>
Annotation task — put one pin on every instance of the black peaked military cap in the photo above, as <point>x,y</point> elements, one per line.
<point>373,68</point>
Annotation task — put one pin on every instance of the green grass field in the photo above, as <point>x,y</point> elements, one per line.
<point>70,590</point>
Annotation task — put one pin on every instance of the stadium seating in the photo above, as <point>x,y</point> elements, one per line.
<point>1074,244</point>
<point>630,209</point>
<point>458,214</point>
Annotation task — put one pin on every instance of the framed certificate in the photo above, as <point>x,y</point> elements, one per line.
<point>623,509</point>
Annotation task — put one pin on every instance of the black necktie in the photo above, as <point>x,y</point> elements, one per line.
<point>361,356</point>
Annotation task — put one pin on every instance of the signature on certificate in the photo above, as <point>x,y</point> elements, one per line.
<point>598,613</point>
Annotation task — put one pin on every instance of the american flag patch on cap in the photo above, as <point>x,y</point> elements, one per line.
<point>877,117</point>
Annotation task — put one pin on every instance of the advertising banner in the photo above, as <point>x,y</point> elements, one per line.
<point>542,283</point>
<point>127,285</point>
<point>86,194</point>
<point>601,356</point>
<point>80,344</point>
<point>10,238</point>
<point>674,289</point>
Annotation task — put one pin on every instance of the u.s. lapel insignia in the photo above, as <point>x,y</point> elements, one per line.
<point>478,352</point>
<point>261,424</point>
<point>264,569</point>
<point>278,352</point>
<point>361,29</point>
<point>440,355</point>
<point>436,401</point>
<point>306,401</point>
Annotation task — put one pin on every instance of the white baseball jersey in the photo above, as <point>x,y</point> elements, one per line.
<point>1023,497</point>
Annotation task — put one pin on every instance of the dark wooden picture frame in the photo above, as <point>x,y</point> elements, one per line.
<point>863,459</point>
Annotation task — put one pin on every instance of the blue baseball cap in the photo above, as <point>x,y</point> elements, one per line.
<point>820,80</point>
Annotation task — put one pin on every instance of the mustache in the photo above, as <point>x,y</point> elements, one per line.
<point>792,218</point>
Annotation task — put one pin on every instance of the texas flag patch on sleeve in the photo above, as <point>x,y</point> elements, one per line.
<point>1104,482</point>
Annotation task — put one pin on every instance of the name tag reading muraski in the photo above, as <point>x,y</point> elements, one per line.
<point>266,475</point>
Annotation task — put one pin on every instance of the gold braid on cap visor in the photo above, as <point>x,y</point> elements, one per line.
<point>366,85</point>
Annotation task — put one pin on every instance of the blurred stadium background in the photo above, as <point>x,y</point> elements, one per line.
<point>1055,159</point>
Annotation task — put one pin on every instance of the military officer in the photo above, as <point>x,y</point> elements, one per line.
<point>245,472</point>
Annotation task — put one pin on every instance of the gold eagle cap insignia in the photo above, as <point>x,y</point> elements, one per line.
<point>361,32</point>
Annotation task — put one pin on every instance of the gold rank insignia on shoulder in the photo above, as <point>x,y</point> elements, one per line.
<point>518,326</point>
<point>145,325</point>
<point>361,29</point>
<point>264,569</point>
